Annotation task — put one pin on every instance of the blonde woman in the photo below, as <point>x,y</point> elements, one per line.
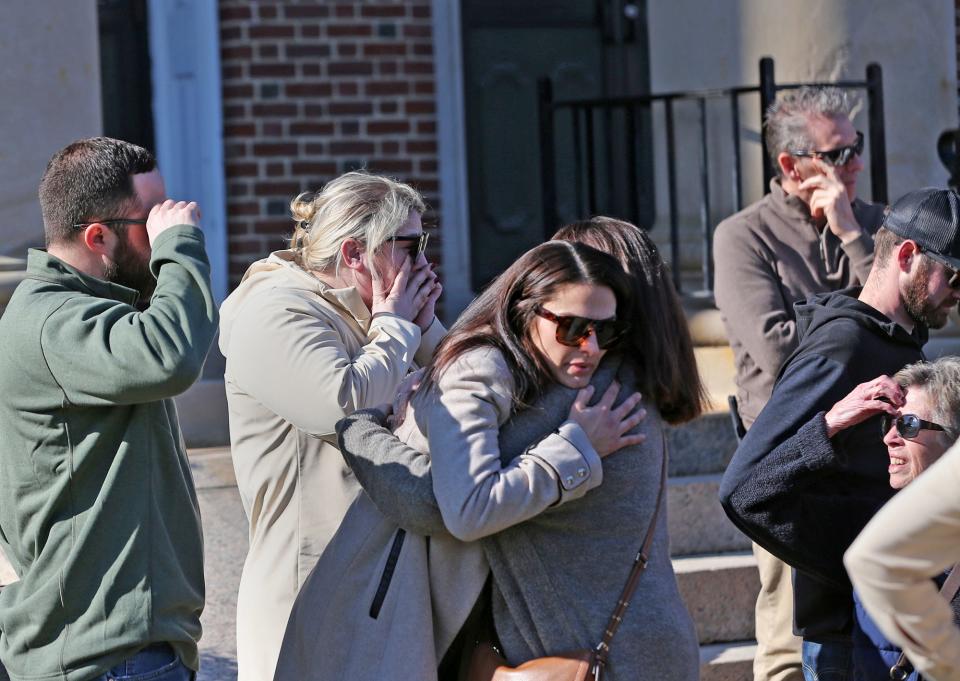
<point>312,334</point>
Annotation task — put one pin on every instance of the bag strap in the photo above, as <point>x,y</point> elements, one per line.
<point>901,670</point>
<point>639,565</point>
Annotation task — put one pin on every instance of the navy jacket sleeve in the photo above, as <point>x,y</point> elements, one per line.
<point>786,486</point>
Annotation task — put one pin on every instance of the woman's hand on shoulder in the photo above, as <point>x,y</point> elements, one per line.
<point>608,427</point>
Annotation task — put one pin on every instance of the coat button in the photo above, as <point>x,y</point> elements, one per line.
<point>582,472</point>
<point>569,480</point>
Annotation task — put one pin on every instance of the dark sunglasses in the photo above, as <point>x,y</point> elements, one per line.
<point>112,221</point>
<point>419,240</point>
<point>835,157</point>
<point>908,425</point>
<point>572,331</point>
<point>954,280</point>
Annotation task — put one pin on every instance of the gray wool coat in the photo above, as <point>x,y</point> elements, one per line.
<point>557,573</point>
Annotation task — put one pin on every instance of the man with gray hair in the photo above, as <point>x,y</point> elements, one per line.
<point>809,235</point>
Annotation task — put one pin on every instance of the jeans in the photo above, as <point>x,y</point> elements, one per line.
<point>829,661</point>
<point>156,662</point>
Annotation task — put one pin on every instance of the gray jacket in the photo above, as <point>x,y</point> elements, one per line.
<point>558,574</point>
<point>769,256</point>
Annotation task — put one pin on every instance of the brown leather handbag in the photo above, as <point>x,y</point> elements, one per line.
<point>488,664</point>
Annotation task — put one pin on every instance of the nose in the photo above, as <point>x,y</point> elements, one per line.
<point>589,345</point>
<point>892,438</point>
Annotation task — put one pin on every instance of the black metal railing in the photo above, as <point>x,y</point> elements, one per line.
<point>585,112</point>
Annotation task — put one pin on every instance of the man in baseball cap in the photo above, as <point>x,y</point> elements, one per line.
<point>813,469</point>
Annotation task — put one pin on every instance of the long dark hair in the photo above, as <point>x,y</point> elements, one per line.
<point>660,345</point>
<point>503,314</point>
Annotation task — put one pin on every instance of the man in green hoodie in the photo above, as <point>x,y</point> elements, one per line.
<point>98,512</point>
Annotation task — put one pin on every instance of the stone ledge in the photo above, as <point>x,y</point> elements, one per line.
<point>720,592</point>
<point>202,410</point>
<point>727,661</point>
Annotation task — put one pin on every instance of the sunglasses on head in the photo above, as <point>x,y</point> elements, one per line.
<point>835,157</point>
<point>419,242</point>
<point>573,331</point>
<point>908,425</point>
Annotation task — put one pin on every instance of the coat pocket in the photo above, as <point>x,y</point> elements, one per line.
<point>387,576</point>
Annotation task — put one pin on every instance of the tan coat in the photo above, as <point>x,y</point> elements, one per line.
<point>914,537</point>
<point>300,356</point>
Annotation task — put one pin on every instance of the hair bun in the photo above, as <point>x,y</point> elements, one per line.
<point>303,208</point>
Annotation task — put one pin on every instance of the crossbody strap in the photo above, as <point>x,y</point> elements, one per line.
<point>901,670</point>
<point>639,565</point>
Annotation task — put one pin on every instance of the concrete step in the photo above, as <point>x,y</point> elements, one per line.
<point>720,591</point>
<point>702,446</point>
<point>202,410</point>
<point>696,522</point>
<point>727,661</point>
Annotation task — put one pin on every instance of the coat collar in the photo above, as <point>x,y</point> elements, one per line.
<point>42,265</point>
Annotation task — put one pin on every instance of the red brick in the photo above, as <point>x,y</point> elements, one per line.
<point>310,31</point>
<point>234,13</point>
<point>234,149</point>
<point>390,147</point>
<point>428,165</point>
<point>419,106</point>
<point>237,91</point>
<point>308,50</point>
<point>239,169</point>
<point>383,11</point>
<point>235,189</point>
<point>421,11</point>
<point>236,52</point>
<point>268,12</point>
<point>239,130</point>
<point>271,31</point>
<point>276,169</point>
<point>423,87</point>
<point>314,149</point>
<point>245,208</point>
<point>347,49</point>
<point>337,148</point>
<point>272,70</point>
<point>423,49</point>
<point>311,128</point>
<point>268,50</point>
<point>349,30</point>
<point>344,10</point>
<point>350,108</point>
<point>231,111</point>
<point>417,31</point>
<point>349,68</point>
<point>288,188</point>
<point>274,110</point>
<point>246,246</point>
<point>418,67</point>
<point>306,11</point>
<point>307,89</point>
<point>276,227</point>
<point>380,49</point>
<point>420,147</point>
<point>231,71</point>
<point>314,110</point>
<point>228,33</point>
<point>275,149</point>
<point>395,127</point>
<point>348,88</point>
<point>271,129</point>
<point>391,165</point>
<point>389,107</point>
<point>313,168</point>
<point>349,128</point>
<point>427,127</point>
<point>387,68</point>
<point>310,69</point>
<point>386,87</point>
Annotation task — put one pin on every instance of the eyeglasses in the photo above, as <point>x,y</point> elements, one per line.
<point>835,157</point>
<point>954,280</point>
<point>572,331</point>
<point>908,425</point>
<point>419,240</point>
<point>112,221</point>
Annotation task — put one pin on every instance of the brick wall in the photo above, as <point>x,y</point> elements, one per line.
<point>313,89</point>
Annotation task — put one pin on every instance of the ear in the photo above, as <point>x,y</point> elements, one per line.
<point>351,255</point>
<point>908,254</point>
<point>788,166</point>
<point>98,239</point>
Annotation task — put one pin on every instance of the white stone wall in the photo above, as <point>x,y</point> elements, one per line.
<point>696,45</point>
<point>50,94</point>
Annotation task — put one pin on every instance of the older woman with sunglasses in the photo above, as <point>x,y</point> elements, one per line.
<point>559,559</point>
<point>313,333</point>
<point>926,424</point>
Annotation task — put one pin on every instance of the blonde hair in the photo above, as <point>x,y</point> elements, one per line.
<point>357,205</point>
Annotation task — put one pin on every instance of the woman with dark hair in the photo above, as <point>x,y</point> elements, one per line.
<point>528,349</point>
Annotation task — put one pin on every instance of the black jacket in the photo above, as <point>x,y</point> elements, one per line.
<point>799,494</point>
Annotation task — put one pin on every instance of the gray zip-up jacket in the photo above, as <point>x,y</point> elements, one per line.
<point>769,256</point>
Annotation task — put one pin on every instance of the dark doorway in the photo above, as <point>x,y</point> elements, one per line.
<point>125,71</point>
<point>588,48</point>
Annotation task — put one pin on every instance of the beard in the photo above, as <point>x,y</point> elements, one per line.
<point>130,270</point>
<point>918,305</point>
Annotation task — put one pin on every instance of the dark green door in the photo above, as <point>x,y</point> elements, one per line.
<point>588,48</point>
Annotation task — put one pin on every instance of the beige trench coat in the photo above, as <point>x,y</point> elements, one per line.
<point>300,356</point>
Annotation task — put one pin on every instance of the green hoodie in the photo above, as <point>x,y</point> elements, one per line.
<point>98,512</point>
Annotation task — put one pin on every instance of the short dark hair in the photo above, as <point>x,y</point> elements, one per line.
<point>884,242</point>
<point>502,316</point>
<point>89,179</point>
<point>660,344</point>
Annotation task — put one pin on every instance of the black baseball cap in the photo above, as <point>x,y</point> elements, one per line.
<point>930,217</point>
